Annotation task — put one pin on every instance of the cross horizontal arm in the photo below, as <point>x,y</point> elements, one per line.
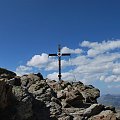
<point>66,54</point>
<point>52,55</point>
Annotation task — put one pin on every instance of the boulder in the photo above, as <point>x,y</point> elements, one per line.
<point>61,94</point>
<point>90,95</point>
<point>45,95</point>
<point>73,98</point>
<point>57,86</point>
<point>78,83</point>
<point>104,115</point>
<point>65,117</point>
<point>40,76</point>
<point>118,115</point>
<point>33,102</point>
<point>28,80</point>
<point>78,118</point>
<point>110,108</point>
<point>14,81</point>
<point>22,103</point>
<point>4,73</point>
<point>41,91</point>
<point>55,109</point>
<point>94,109</point>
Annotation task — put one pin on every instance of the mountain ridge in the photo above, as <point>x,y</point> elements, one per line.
<point>31,97</point>
<point>110,99</point>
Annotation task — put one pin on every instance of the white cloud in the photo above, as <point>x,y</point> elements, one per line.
<point>103,63</point>
<point>68,50</point>
<point>112,78</point>
<point>116,70</point>
<point>80,60</point>
<point>45,62</point>
<point>104,45</point>
<point>21,70</point>
<point>65,76</point>
<point>105,66</point>
<point>53,64</point>
<point>99,48</point>
<point>53,76</point>
<point>38,60</point>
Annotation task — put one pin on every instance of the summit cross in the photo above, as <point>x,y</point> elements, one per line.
<point>59,54</point>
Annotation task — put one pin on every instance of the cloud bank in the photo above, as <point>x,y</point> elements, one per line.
<point>91,61</point>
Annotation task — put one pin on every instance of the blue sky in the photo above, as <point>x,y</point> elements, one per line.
<point>35,27</point>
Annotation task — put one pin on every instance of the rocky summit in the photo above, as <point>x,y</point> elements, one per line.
<point>31,97</point>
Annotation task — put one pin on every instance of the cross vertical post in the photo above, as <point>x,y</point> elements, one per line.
<point>59,54</point>
<point>59,62</point>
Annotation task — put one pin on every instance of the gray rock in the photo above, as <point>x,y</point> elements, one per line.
<point>118,115</point>
<point>14,81</point>
<point>78,118</point>
<point>55,109</point>
<point>110,108</point>
<point>33,98</point>
<point>40,76</point>
<point>22,103</point>
<point>73,97</point>
<point>66,117</point>
<point>4,73</point>
<point>61,94</point>
<point>93,110</point>
<point>5,94</point>
<point>65,104</point>
<point>104,115</point>
<point>90,95</point>
<point>28,80</point>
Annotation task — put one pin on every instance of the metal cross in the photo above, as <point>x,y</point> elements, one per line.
<point>59,54</point>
